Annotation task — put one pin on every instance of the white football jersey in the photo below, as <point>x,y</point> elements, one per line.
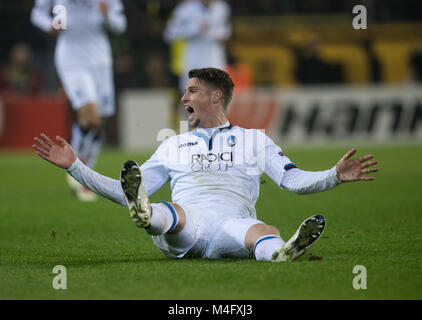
<point>84,42</point>
<point>216,168</point>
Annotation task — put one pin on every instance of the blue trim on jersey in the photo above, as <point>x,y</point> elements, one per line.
<point>222,130</point>
<point>226,128</point>
<point>212,138</point>
<point>209,142</point>
<point>201,135</point>
<point>262,239</point>
<point>173,212</point>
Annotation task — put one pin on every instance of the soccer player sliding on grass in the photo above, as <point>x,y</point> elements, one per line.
<point>214,173</point>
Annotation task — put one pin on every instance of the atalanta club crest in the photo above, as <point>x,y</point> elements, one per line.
<point>231,141</point>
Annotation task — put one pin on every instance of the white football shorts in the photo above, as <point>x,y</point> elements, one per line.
<point>208,235</point>
<point>87,85</point>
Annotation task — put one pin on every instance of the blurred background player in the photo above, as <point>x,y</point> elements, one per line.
<point>83,61</point>
<point>198,31</point>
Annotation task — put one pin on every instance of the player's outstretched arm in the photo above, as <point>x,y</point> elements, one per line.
<point>346,170</point>
<point>349,170</point>
<point>62,154</point>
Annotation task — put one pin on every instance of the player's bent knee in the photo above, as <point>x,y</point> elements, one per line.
<point>272,230</point>
<point>262,229</point>
<point>181,216</point>
<point>257,231</point>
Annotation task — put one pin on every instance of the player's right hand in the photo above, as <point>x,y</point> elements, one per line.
<point>62,154</point>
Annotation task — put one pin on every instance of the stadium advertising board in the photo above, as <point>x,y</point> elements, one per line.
<point>333,113</point>
<point>22,118</point>
<point>366,113</point>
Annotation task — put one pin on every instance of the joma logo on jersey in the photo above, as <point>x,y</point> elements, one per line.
<point>188,144</point>
<point>212,162</point>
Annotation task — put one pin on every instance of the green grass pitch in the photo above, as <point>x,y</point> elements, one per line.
<point>375,224</point>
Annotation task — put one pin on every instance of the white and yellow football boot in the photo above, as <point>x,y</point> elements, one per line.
<point>308,233</point>
<point>135,194</point>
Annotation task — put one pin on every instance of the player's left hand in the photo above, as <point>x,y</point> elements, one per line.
<point>349,170</point>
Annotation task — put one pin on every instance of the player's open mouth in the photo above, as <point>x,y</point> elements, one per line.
<point>189,110</point>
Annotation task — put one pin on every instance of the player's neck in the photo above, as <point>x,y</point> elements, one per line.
<point>218,121</point>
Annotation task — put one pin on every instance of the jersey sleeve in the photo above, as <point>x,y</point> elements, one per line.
<point>40,15</point>
<point>271,158</point>
<point>104,186</point>
<point>307,182</point>
<point>154,170</point>
<point>287,176</point>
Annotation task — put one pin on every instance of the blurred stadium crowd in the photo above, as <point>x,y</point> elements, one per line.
<point>282,43</point>
<point>310,35</point>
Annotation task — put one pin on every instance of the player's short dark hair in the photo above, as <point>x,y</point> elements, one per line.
<point>217,79</point>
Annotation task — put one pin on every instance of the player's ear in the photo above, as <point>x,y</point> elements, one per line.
<point>216,96</point>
